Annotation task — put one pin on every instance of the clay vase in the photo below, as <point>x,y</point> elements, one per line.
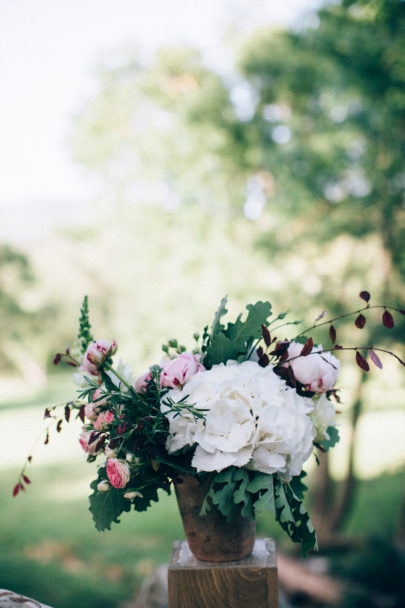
<point>211,537</point>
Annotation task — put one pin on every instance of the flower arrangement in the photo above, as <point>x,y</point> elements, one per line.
<point>243,408</point>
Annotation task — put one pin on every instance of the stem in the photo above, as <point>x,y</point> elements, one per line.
<point>120,378</point>
<point>348,314</point>
<point>355,348</point>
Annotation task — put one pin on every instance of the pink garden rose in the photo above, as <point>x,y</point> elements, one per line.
<point>177,371</point>
<point>317,371</point>
<point>118,472</point>
<point>103,420</point>
<point>95,355</point>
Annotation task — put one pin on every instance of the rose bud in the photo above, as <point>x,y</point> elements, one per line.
<point>177,371</point>
<point>134,494</point>
<point>103,486</point>
<point>95,355</point>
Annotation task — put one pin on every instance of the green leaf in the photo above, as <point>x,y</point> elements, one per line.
<point>216,324</point>
<point>106,507</point>
<point>297,486</point>
<point>333,433</point>
<point>240,331</point>
<point>220,350</point>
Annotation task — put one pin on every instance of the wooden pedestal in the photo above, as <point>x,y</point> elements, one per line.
<point>250,582</point>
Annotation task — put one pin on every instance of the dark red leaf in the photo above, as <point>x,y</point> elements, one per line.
<point>360,321</point>
<point>67,413</point>
<point>388,319</point>
<point>260,352</point>
<point>332,334</point>
<point>47,413</point>
<point>281,371</point>
<point>307,348</point>
<point>284,357</point>
<point>46,438</point>
<point>67,351</point>
<point>22,487</point>
<point>81,413</point>
<point>266,335</point>
<point>400,310</point>
<point>100,443</point>
<point>375,358</point>
<point>29,458</point>
<point>361,362</point>
<point>365,295</point>
<point>26,479</point>
<point>290,376</point>
<point>264,361</point>
<point>280,348</point>
<point>59,425</point>
<point>71,363</point>
<point>94,435</point>
<point>57,358</point>
<point>16,489</point>
<point>338,347</point>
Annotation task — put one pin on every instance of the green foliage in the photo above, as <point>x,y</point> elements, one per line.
<point>234,341</point>
<point>236,490</point>
<point>84,335</point>
<point>106,507</point>
<point>333,433</point>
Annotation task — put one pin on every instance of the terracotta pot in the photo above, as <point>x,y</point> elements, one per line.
<point>211,538</point>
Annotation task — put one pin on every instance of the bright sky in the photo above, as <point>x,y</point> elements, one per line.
<point>47,51</point>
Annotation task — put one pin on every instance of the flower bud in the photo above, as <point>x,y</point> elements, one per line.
<point>103,486</point>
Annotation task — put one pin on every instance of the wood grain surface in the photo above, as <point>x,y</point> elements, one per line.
<point>247,583</point>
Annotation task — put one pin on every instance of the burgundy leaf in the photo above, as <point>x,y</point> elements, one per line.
<point>338,347</point>
<point>401,310</point>
<point>81,413</point>
<point>26,479</point>
<point>361,362</point>
<point>266,335</point>
<point>260,352</point>
<point>22,486</point>
<point>59,425</point>
<point>16,489</point>
<point>388,319</point>
<point>332,334</point>
<point>307,348</point>
<point>264,361</point>
<point>100,443</point>
<point>29,458</point>
<point>360,321</point>
<point>284,357</point>
<point>67,351</point>
<point>364,295</point>
<point>94,435</point>
<point>280,348</point>
<point>281,371</point>
<point>46,438</point>
<point>375,358</point>
<point>290,376</point>
<point>67,413</point>
<point>71,363</point>
<point>57,358</point>
<point>47,413</point>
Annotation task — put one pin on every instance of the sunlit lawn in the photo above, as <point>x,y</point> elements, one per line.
<point>49,548</point>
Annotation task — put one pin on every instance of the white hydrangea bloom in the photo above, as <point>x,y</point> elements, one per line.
<point>253,419</point>
<point>323,416</point>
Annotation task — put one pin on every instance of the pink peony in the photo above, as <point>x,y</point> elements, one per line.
<point>142,382</point>
<point>118,472</point>
<point>95,355</point>
<point>103,420</point>
<point>177,371</point>
<point>317,371</point>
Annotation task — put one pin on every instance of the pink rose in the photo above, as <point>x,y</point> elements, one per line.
<point>317,371</point>
<point>103,420</point>
<point>92,409</point>
<point>142,382</point>
<point>177,371</point>
<point>118,472</point>
<point>95,355</point>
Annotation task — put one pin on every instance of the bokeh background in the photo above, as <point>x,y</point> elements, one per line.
<point>157,156</point>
